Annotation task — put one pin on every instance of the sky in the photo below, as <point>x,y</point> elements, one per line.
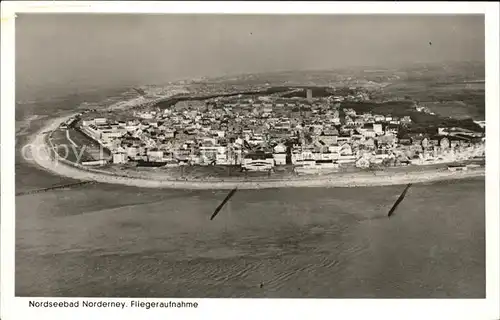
<point>64,53</point>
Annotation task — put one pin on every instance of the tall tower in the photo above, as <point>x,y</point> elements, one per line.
<point>309,95</point>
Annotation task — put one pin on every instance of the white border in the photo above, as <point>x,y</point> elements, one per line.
<point>16,308</point>
<point>245,7</point>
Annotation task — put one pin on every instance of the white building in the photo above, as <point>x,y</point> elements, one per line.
<point>328,139</point>
<point>367,133</point>
<point>221,156</point>
<point>169,133</point>
<point>279,154</point>
<point>298,157</point>
<point>208,154</point>
<point>146,115</point>
<point>258,162</point>
<point>92,131</point>
<point>346,158</point>
<point>120,157</point>
<point>345,149</point>
<point>343,140</point>
<point>131,127</point>
<point>279,159</point>
<point>155,155</point>
<point>256,140</point>
<point>280,148</point>
<point>108,135</point>
<point>132,152</point>
<point>99,121</point>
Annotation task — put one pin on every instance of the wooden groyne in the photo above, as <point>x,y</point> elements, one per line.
<point>76,184</point>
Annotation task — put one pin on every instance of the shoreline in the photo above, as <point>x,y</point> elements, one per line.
<point>67,169</point>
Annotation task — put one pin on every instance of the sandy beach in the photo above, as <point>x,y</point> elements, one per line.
<point>62,167</point>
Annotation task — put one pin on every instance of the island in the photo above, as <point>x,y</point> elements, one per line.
<point>266,131</point>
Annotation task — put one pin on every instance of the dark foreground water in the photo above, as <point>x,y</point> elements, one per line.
<point>106,240</point>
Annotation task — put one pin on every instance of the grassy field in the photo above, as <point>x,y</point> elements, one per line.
<point>91,147</point>
<point>450,99</point>
<point>88,149</point>
<point>421,121</point>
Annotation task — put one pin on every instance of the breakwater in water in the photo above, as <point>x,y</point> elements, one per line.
<point>64,186</point>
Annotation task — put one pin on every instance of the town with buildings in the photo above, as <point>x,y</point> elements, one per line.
<point>262,132</point>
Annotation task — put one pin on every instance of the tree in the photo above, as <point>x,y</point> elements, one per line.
<point>308,138</point>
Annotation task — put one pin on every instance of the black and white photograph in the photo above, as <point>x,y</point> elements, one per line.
<point>181,156</point>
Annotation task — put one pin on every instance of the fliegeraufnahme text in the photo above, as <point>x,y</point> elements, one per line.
<point>112,304</point>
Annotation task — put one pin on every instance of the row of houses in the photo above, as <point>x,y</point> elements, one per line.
<point>231,136</point>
